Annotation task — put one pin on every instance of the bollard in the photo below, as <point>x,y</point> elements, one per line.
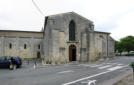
<point>132,65</point>
<point>35,63</point>
<point>14,67</point>
<point>28,61</point>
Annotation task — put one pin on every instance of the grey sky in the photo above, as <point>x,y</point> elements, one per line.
<point>115,16</point>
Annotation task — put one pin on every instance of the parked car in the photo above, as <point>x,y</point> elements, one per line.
<point>6,60</point>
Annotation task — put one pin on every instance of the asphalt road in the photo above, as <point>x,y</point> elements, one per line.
<point>68,74</point>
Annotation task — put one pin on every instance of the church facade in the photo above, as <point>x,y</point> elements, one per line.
<point>66,37</point>
<point>71,37</point>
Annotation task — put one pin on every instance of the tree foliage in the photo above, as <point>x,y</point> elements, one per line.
<point>128,43</point>
<point>125,44</point>
<point>118,47</point>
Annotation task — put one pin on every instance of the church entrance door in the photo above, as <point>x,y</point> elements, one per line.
<point>38,55</point>
<point>72,53</point>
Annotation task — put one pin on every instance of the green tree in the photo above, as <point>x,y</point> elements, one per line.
<point>118,47</point>
<point>127,43</point>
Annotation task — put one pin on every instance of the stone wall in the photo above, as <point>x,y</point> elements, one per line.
<point>13,44</point>
<point>104,45</point>
<point>89,43</point>
<point>56,37</point>
<point>111,43</point>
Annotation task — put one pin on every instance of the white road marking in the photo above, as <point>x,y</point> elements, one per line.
<point>92,76</point>
<point>120,64</point>
<point>107,65</point>
<point>66,71</point>
<point>88,65</point>
<point>95,65</point>
<point>98,65</point>
<point>89,82</point>
<point>116,67</point>
<point>104,66</point>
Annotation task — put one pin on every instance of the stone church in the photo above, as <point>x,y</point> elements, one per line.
<point>66,37</point>
<point>71,37</point>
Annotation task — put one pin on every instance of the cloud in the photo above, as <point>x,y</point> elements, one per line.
<point>125,26</point>
<point>107,15</point>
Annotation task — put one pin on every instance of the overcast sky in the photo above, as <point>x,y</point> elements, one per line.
<point>115,16</point>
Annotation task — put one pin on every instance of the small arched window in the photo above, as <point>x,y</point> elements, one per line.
<point>25,46</point>
<point>10,45</point>
<point>72,30</point>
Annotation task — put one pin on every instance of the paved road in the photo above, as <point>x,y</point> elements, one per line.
<point>69,74</point>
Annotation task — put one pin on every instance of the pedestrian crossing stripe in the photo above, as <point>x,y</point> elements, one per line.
<point>104,66</point>
<point>107,66</point>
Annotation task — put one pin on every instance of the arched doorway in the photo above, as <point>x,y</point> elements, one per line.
<point>72,53</point>
<point>38,55</point>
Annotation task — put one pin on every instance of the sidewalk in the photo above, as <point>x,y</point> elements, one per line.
<point>117,79</point>
<point>128,80</point>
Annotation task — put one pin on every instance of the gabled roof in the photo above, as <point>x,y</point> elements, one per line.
<point>71,13</point>
<point>102,32</point>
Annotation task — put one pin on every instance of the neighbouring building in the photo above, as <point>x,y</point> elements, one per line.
<point>25,44</point>
<point>66,37</point>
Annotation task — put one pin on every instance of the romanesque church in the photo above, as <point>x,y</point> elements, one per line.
<point>66,37</point>
<point>71,37</point>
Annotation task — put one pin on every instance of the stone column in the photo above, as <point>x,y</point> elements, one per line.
<point>55,46</point>
<point>92,47</point>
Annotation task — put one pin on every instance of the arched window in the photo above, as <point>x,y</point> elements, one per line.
<point>72,31</point>
<point>10,45</point>
<point>25,46</point>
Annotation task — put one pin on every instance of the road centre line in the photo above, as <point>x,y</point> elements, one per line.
<point>93,76</point>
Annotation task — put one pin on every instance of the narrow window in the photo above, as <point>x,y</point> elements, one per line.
<point>72,30</point>
<point>25,46</point>
<point>10,45</point>
<point>38,46</point>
